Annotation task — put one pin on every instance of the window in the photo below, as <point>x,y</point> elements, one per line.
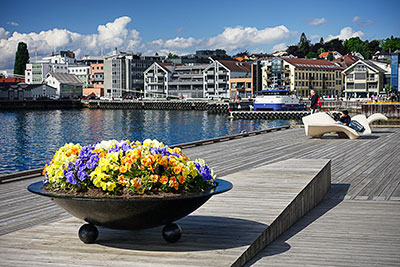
<point>248,85</point>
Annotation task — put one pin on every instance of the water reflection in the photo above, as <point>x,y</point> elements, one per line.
<point>28,139</point>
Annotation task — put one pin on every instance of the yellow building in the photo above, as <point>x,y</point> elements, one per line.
<point>322,76</point>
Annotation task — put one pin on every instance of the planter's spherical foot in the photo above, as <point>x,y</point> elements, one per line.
<point>172,232</point>
<point>88,233</point>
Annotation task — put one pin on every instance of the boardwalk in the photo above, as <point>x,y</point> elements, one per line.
<point>357,224</point>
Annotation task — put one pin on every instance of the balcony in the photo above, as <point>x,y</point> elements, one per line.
<point>350,79</point>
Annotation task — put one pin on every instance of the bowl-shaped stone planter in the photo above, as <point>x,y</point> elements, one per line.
<point>134,213</point>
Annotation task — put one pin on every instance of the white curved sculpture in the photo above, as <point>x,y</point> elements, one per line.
<point>318,124</point>
<point>376,117</point>
<point>362,119</point>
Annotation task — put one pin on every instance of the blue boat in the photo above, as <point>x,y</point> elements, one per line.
<point>277,99</point>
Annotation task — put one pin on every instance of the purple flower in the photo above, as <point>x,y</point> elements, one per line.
<point>70,177</point>
<point>80,165</point>
<point>86,152</point>
<point>82,175</point>
<point>204,171</point>
<point>93,162</point>
<point>162,151</point>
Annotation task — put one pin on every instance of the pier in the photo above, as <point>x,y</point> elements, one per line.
<point>356,223</point>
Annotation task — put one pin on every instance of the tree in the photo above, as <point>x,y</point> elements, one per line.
<point>373,47</point>
<point>2,75</point>
<point>330,56</point>
<point>170,55</point>
<point>355,44</point>
<point>311,55</point>
<point>21,58</point>
<point>391,44</point>
<point>335,45</point>
<point>294,50</point>
<point>321,41</point>
<point>304,44</point>
<point>156,54</point>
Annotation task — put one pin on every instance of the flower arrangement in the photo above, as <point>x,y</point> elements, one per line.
<point>124,167</point>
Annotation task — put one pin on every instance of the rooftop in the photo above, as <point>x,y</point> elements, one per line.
<point>66,78</point>
<point>312,63</point>
<point>236,66</point>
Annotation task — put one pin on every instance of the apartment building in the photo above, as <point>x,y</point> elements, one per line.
<point>395,69</point>
<point>96,81</point>
<point>179,80</point>
<point>82,72</point>
<point>123,73</point>
<point>156,79</point>
<point>366,78</point>
<point>274,73</point>
<point>321,75</point>
<point>227,79</point>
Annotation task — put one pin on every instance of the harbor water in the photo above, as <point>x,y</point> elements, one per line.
<point>29,138</point>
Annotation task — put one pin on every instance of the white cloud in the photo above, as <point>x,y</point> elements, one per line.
<point>233,38</point>
<point>355,19</point>
<point>3,33</point>
<point>113,34</point>
<point>278,47</point>
<point>317,21</point>
<point>117,34</point>
<point>346,33</point>
<point>13,23</point>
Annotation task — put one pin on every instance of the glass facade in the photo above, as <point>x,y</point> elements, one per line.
<point>395,71</point>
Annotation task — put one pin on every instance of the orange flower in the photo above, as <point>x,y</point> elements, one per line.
<point>128,166</point>
<point>122,180</point>
<point>136,183</point>
<point>164,179</point>
<point>173,183</point>
<point>172,162</point>
<point>75,150</point>
<point>155,178</point>
<point>146,162</point>
<point>181,179</point>
<point>102,155</point>
<point>122,169</point>
<point>178,169</point>
<point>44,170</point>
<point>164,161</point>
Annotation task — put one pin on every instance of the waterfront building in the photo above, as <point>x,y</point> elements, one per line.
<point>221,79</point>
<point>156,79</point>
<point>36,72</point>
<point>96,82</point>
<point>57,63</point>
<point>274,73</point>
<point>179,80</point>
<point>123,73</point>
<point>22,91</point>
<point>82,72</point>
<point>366,78</point>
<point>395,70</point>
<point>321,75</point>
<point>67,85</point>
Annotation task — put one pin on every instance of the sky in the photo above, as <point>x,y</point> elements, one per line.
<point>182,27</point>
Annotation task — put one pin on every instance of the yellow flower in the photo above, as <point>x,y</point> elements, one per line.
<point>111,186</point>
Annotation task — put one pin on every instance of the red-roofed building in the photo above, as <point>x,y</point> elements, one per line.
<point>321,75</point>
<point>12,80</point>
<point>228,79</point>
<point>347,60</point>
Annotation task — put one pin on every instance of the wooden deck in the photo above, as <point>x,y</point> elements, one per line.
<point>359,217</point>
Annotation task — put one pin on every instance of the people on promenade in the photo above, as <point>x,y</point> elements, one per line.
<point>344,118</point>
<point>315,102</point>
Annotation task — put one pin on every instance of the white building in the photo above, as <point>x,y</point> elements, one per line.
<point>81,71</point>
<point>23,91</point>
<point>366,78</point>
<point>123,73</point>
<point>67,85</point>
<point>180,80</point>
<point>57,63</point>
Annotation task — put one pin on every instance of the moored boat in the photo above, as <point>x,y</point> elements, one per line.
<point>278,99</point>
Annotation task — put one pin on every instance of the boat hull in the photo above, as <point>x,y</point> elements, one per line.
<point>279,107</point>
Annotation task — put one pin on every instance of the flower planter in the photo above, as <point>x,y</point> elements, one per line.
<point>133,213</point>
